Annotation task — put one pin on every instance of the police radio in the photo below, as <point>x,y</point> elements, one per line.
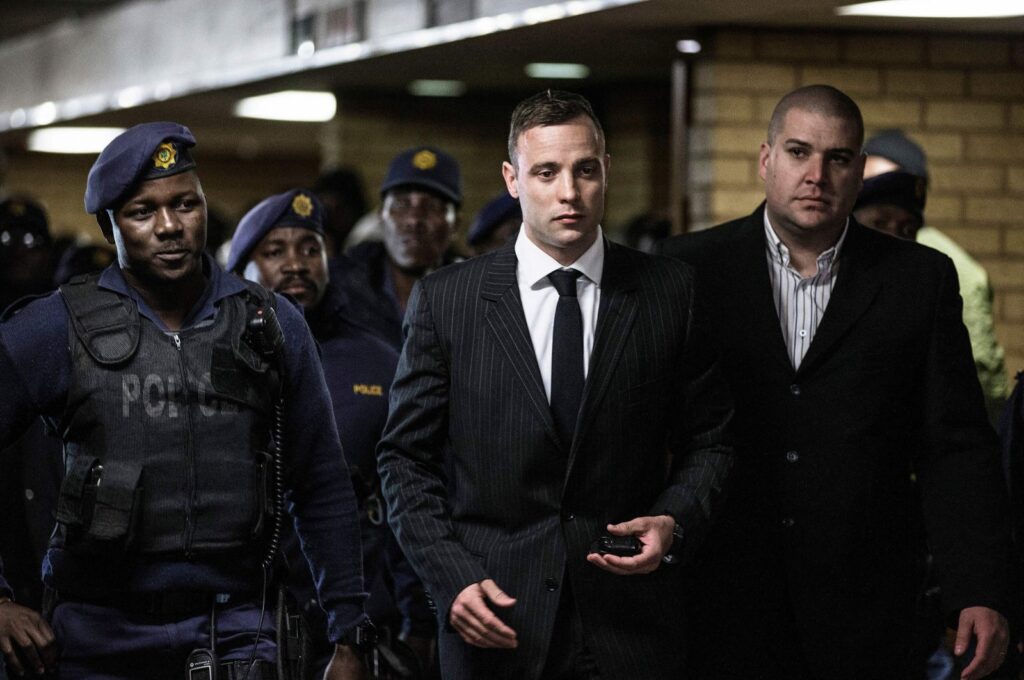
<point>264,334</point>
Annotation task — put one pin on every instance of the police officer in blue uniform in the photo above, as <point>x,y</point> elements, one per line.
<point>280,245</point>
<point>497,222</point>
<point>192,408</point>
<point>28,483</point>
<point>421,195</point>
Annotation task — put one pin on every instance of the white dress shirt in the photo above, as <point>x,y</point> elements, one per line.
<point>800,302</point>
<point>540,298</point>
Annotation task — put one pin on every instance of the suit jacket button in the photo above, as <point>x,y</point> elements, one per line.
<point>788,522</point>
<point>569,517</point>
<point>795,389</point>
<point>792,456</point>
<point>551,584</point>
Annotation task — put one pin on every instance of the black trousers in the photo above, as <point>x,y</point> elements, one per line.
<point>569,658</point>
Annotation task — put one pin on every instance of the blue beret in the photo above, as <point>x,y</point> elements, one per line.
<point>146,151</point>
<point>427,167</point>
<point>901,189</point>
<point>495,212</point>
<point>295,208</point>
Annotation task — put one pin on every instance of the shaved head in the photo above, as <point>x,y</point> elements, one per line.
<point>823,100</point>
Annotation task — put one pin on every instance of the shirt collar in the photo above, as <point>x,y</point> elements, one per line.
<point>219,285</point>
<point>778,251</point>
<point>535,265</point>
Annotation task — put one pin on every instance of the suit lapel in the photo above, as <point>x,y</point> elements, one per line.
<point>615,318</point>
<point>856,287</point>
<point>508,326</point>
<point>753,293</point>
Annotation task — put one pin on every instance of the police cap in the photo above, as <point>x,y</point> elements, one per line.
<point>901,150</point>
<point>23,224</point>
<point>901,189</point>
<point>425,167</point>
<point>146,151</point>
<point>495,212</point>
<point>295,208</point>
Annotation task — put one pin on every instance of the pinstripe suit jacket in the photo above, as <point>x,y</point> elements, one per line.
<point>478,485</point>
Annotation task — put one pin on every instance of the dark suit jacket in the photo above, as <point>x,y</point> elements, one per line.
<point>813,568</point>
<point>479,487</point>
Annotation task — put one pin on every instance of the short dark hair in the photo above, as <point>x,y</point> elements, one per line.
<point>824,100</point>
<point>550,107</point>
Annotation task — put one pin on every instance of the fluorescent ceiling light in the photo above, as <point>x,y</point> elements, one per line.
<point>437,88</point>
<point>558,71</point>
<point>131,96</point>
<point>936,9</point>
<point>72,139</point>
<point>291,105</point>
<point>688,46</point>
<point>44,114</point>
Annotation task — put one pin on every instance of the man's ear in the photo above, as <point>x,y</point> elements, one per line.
<point>509,173</point>
<point>762,160</point>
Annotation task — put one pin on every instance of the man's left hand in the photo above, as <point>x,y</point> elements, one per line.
<point>655,533</point>
<point>991,633</point>
<point>345,665</point>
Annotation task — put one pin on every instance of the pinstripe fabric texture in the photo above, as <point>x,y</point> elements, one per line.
<point>479,485</point>
<point>800,302</point>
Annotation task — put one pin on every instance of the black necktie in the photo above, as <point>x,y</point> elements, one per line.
<point>566,355</point>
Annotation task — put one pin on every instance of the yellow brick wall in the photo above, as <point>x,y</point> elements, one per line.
<point>372,128</point>
<point>960,97</point>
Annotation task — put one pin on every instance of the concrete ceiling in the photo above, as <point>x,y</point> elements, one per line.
<point>631,43</point>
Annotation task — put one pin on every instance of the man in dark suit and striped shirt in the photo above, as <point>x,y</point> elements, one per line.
<point>548,393</point>
<point>858,418</point>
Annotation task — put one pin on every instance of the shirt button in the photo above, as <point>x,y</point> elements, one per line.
<point>803,333</point>
<point>795,390</point>
<point>792,456</point>
<point>551,584</point>
<point>788,522</point>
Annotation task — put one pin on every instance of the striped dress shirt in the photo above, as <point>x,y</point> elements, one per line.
<point>800,302</point>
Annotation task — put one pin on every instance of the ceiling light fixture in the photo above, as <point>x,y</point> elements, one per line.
<point>936,9</point>
<point>44,114</point>
<point>437,88</point>
<point>298,106</point>
<point>71,140</point>
<point>557,71</point>
<point>688,46</point>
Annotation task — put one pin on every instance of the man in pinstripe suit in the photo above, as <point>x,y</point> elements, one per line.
<point>494,497</point>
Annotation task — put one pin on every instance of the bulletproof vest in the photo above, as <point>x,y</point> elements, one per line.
<point>166,435</point>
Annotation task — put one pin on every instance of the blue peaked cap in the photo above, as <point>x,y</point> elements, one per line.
<point>427,167</point>
<point>295,208</point>
<point>494,213</point>
<point>146,151</point>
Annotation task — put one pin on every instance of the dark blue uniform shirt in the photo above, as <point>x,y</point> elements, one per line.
<point>35,371</point>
